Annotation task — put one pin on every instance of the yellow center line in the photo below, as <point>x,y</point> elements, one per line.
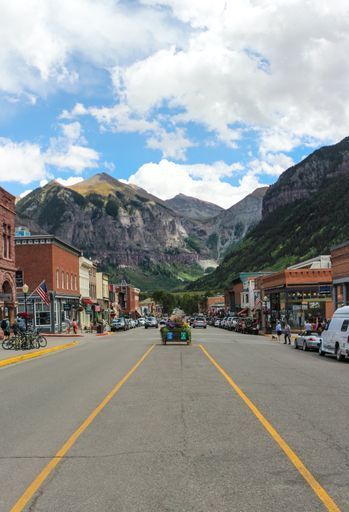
<point>38,353</point>
<point>293,457</point>
<point>39,480</point>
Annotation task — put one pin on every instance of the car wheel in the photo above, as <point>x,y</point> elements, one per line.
<point>295,344</point>
<point>321,352</point>
<point>339,355</point>
<point>305,346</point>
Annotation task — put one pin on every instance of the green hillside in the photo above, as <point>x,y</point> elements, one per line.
<point>293,233</point>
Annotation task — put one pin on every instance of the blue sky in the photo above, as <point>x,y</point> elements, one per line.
<point>208,99</point>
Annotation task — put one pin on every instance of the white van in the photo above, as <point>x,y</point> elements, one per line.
<point>335,338</point>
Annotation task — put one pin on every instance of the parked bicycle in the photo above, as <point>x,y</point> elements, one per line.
<point>25,340</point>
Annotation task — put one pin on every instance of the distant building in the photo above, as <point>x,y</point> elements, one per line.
<point>147,307</point>
<point>7,255</point>
<point>87,279</point>
<point>22,231</point>
<point>340,274</point>
<point>47,258</point>
<point>102,288</point>
<point>127,298</point>
<point>240,298</point>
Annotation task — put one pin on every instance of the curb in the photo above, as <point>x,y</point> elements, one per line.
<point>39,353</point>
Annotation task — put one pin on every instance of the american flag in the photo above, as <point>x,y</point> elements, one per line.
<point>43,292</point>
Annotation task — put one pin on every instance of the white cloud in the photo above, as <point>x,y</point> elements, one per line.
<point>25,162</point>
<point>171,144</point>
<point>25,193</point>
<point>272,164</point>
<point>69,182</point>
<point>40,40</point>
<point>167,179</point>
<point>22,162</point>
<point>278,67</point>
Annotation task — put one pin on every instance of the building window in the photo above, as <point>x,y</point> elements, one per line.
<point>75,283</point>
<point>71,282</point>
<point>6,241</point>
<point>57,278</point>
<point>62,280</point>
<point>67,278</point>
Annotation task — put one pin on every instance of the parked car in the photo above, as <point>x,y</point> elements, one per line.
<point>232,322</point>
<point>217,323</point>
<point>162,322</point>
<point>119,324</point>
<point>141,321</point>
<point>335,338</point>
<point>306,341</point>
<point>151,321</point>
<point>132,323</point>
<point>199,321</point>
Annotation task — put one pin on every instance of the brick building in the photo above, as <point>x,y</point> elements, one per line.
<point>298,294</point>
<point>7,255</point>
<point>340,275</point>
<point>47,258</point>
<point>127,297</point>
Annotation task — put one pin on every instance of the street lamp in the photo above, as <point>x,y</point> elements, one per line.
<point>25,290</point>
<point>265,313</point>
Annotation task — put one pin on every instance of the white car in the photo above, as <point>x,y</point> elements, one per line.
<point>306,341</point>
<point>141,321</point>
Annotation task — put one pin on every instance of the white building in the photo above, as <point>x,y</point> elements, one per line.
<point>85,271</point>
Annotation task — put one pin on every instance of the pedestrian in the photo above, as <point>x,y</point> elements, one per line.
<point>278,329</point>
<point>5,326</point>
<point>287,333</point>
<point>68,324</point>
<point>21,324</point>
<point>308,328</point>
<point>75,326</point>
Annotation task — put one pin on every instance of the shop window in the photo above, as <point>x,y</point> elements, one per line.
<point>344,327</point>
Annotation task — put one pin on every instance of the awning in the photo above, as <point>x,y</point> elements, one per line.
<point>87,301</point>
<point>243,312</point>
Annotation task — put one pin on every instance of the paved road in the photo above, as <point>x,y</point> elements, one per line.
<point>176,436</point>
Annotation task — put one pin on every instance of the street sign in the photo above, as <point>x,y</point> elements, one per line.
<point>19,279</point>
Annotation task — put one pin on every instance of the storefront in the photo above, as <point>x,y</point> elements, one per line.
<point>50,317</point>
<point>296,295</point>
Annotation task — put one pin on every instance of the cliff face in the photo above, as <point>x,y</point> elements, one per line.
<point>306,178</point>
<point>304,214</point>
<point>232,225</point>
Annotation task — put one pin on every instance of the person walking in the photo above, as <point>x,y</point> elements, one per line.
<point>308,328</point>
<point>278,330</point>
<point>287,333</point>
<point>75,326</point>
<point>5,326</point>
<point>68,324</point>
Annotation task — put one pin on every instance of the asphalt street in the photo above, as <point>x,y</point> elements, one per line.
<point>174,435</point>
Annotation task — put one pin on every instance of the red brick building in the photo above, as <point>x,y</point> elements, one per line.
<point>7,255</point>
<point>47,258</point>
<point>127,298</point>
<point>340,274</point>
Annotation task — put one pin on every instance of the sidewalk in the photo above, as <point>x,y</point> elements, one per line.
<point>51,342</point>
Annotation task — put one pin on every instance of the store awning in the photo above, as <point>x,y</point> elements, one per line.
<point>243,312</point>
<point>87,301</point>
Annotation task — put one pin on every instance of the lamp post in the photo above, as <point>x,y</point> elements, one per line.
<point>25,290</point>
<point>265,313</point>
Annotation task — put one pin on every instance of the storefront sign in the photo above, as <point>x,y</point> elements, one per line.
<point>325,288</point>
<point>19,279</point>
<point>66,307</point>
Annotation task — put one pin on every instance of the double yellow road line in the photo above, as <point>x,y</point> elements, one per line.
<point>291,455</point>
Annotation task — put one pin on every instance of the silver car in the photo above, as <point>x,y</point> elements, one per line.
<point>306,341</point>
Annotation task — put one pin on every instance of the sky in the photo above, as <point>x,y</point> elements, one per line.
<point>209,99</point>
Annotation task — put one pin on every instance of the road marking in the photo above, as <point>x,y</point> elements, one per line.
<point>39,480</point>
<point>39,353</point>
<point>296,461</point>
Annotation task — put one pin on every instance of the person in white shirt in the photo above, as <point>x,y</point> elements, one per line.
<point>278,329</point>
<point>308,327</point>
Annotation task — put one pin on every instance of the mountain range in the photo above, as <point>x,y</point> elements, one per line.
<point>135,235</point>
